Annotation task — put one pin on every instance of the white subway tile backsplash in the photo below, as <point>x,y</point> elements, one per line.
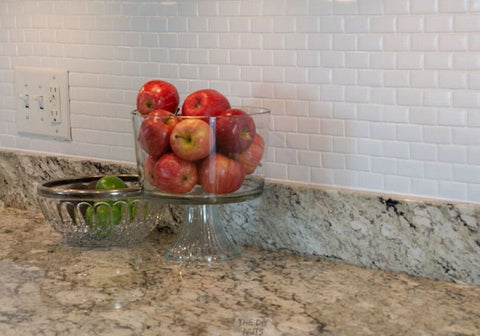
<point>474,5</point>
<point>409,97</point>
<point>286,155</point>
<point>385,96</point>
<point>474,41</point>
<point>466,23</point>
<point>332,92</point>
<point>370,181</point>
<point>397,114</point>
<point>357,24</point>
<point>453,6</point>
<point>369,42</point>
<point>345,42</point>
<point>439,171</point>
<point>345,7</point>
<point>424,79</point>
<point>343,177</point>
<point>332,24</point>
<point>424,42</point>
<point>473,118</point>
<point>332,127</point>
<point>396,149</point>
<point>355,128</point>
<point>299,7</point>
<point>437,134</point>
<point>357,162</point>
<point>424,187</point>
<point>396,42</point>
<point>344,76</point>
<point>453,42</point>
<point>437,98</point>
<point>438,61</point>
<point>448,189</point>
<point>466,136</point>
<point>439,23</point>
<point>322,176</point>
<point>333,160</point>
<point>410,60</point>
<point>473,155</point>
<point>370,147</point>
<point>452,154</point>
<point>344,145</point>
<point>423,151</point>
<point>369,77</point>
<point>383,24</point>
<point>424,6</point>
<point>384,165</point>
<point>396,6</point>
<point>452,117</point>
<point>384,131</point>
<point>383,60</point>
<point>308,24</point>
<point>333,59</point>
<point>357,94</point>
<point>410,168</point>
<point>466,99</point>
<point>320,143</point>
<point>466,61</point>
<point>453,79</point>
<point>344,111</point>
<point>357,60</point>
<point>374,94</point>
<point>410,24</point>
<point>473,193</point>
<point>397,78</point>
<point>309,158</point>
<point>398,184</point>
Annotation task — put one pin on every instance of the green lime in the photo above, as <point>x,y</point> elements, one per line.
<point>110,182</point>
<point>103,215</point>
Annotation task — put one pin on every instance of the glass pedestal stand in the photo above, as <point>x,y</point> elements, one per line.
<point>202,237</point>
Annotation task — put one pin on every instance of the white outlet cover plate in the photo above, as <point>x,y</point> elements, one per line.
<point>41,117</point>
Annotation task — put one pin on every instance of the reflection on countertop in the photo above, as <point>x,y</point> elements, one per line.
<point>49,288</point>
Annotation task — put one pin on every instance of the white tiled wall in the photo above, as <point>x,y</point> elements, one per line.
<point>370,94</point>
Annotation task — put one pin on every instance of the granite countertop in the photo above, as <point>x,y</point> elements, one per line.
<point>49,288</point>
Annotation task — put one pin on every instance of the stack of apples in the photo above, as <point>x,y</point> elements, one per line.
<point>205,142</point>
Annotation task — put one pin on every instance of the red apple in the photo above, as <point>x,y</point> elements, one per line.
<point>235,131</point>
<point>174,175</point>
<point>219,174</point>
<point>252,156</point>
<point>154,133</point>
<point>206,102</point>
<point>192,139</point>
<point>148,166</point>
<point>157,94</point>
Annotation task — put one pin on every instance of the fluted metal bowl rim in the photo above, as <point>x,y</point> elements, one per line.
<point>75,188</point>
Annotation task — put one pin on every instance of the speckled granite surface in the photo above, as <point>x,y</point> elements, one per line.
<point>49,288</point>
<point>429,239</point>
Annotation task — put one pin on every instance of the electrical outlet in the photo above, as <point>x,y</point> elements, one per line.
<point>42,102</point>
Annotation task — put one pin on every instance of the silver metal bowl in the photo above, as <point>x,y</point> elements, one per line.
<point>99,218</point>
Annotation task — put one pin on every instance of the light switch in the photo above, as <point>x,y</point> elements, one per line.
<point>42,103</point>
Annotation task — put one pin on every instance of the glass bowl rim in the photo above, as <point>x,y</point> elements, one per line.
<point>259,110</point>
<point>56,188</point>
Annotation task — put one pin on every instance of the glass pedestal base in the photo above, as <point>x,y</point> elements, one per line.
<point>202,237</point>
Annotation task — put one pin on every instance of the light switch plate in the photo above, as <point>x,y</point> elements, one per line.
<point>42,102</point>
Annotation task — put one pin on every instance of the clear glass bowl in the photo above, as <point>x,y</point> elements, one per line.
<point>221,142</point>
<point>201,162</point>
<point>98,218</point>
